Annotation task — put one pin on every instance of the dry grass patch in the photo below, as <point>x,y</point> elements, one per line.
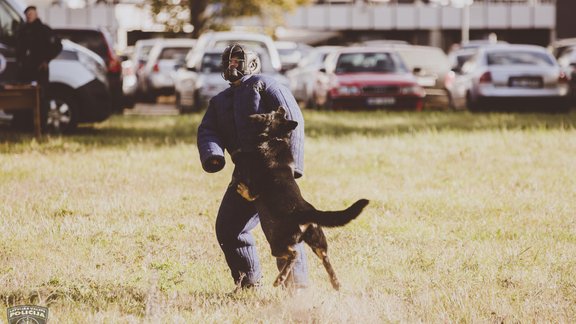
<point>471,220</point>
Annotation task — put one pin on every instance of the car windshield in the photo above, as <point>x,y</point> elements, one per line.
<point>210,63</point>
<point>428,59</point>
<point>170,53</point>
<point>460,60</point>
<point>143,52</point>
<point>368,62</point>
<point>518,58</point>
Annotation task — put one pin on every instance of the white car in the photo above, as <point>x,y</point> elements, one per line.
<point>304,77</point>
<point>219,40</point>
<point>291,53</point>
<point>157,76</point>
<point>130,67</point>
<point>198,83</point>
<point>199,80</point>
<point>78,89</point>
<point>512,77</point>
<point>457,58</point>
<point>567,61</point>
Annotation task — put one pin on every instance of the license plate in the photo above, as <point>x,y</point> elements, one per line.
<point>526,82</point>
<point>381,101</point>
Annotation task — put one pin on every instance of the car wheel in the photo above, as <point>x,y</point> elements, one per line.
<point>472,105</point>
<point>62,114</point>
<point>451,104</point>
<point>149,97</point>
<point>128,101</point>
<point>329,104</point>
<point>310,104</point>
<point>178,103</point>
<point>197,101</point>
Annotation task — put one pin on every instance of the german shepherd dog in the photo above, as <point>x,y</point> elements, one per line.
<point>267,178</point>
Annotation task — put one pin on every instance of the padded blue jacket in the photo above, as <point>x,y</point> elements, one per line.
<point>226,126</point>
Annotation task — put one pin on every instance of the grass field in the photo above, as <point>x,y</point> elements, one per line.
<point>472,220</point>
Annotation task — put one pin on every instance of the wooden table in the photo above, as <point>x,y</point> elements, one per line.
<point>22,97</point>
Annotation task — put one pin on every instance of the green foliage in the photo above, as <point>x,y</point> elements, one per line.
<point>215,14</point>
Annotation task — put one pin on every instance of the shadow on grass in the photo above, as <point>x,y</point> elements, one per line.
<point>122,131</point>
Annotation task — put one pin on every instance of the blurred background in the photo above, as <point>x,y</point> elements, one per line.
<point>168,50</point>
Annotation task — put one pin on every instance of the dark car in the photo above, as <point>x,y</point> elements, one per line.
<point>368,78</point>
<point>99,41</point>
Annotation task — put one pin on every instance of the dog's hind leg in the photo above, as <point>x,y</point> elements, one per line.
<point>290,257</point>
<point>326,262</point>
<point>314,237</point>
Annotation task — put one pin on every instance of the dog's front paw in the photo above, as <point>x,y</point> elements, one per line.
<point>243,191</point>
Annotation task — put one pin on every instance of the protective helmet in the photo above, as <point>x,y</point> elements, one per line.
<point>248,62</point>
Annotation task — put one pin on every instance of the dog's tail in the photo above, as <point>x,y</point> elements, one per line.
<point>333,218</point>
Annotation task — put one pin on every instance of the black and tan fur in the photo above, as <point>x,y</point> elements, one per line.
<point>267,178</point>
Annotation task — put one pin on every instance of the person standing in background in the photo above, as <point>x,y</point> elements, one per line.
<point>36,46</point>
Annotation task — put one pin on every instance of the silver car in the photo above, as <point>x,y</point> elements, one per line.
<point>199,82</point>
<point>512,77</point>
<point>156,78</point>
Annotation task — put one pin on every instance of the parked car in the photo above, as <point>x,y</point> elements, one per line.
<point>220,40</point>
<point>518,77</point>
<point>477,43</point>
<point>431,66</point>
<point>100,42</point>
<point>567,62</point>
<point>131,67</point>
<point>78,90</point>
<point>369,78</point>
<point>304,77</point>
<point>196,85</point>
<point>157,76</point>
<point>457,58</point>
<point>291,53</point>
<point>199,80</point>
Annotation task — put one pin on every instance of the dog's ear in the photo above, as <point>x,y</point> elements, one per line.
<point>281,111</point>
<point>291,124</point>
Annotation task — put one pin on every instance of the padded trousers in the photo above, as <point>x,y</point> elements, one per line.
<point>236,219</point>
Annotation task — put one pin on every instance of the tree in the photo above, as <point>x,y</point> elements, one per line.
<point>216,14</point>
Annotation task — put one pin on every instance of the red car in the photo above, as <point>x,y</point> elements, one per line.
<point>368,78</point>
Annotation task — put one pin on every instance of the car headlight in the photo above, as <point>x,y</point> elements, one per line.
<point>348,90</point>
<point>412,90</point>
